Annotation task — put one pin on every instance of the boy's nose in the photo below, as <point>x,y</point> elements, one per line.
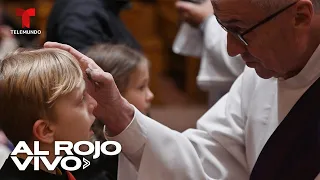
<point>92,103</point>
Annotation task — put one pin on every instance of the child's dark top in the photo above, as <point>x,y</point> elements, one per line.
<point>103,168</point>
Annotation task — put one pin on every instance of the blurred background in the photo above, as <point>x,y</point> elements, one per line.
<point>178,101</point>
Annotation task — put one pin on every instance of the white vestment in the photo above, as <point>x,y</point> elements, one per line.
<point>228,138</point>
<point>217,70</point>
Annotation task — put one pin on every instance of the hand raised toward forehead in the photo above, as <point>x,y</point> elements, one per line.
<point>83,60</point>
<point>113,109</point>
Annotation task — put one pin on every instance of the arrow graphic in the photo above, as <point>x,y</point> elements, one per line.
<point>86,163</point>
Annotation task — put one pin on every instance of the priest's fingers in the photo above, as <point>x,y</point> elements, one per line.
<point>82,59</point>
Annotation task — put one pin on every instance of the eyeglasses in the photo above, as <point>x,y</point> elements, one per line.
<point>240,35</point>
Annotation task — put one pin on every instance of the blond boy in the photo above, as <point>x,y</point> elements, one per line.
<point>43,98</point>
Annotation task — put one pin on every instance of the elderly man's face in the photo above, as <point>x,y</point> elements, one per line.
<point>274,48</point>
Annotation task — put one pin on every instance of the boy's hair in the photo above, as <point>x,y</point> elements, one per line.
<point>30,84</point>
<point>118,60</point>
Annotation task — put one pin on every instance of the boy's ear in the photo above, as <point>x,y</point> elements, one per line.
<point>43,131</point>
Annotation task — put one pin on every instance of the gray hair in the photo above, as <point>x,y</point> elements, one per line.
<point>270,5</point>
<point>277,4</point>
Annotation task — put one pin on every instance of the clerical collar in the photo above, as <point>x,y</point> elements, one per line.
<point>309,74</point>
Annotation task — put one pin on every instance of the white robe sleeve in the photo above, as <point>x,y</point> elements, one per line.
<point>215,150</point>
<point>218,70</point>
<point>188,41</point>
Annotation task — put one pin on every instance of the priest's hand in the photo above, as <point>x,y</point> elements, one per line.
<point>193,13</point>
<point>113,110</point>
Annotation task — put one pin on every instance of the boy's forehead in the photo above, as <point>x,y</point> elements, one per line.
<point>75,93</point>
<point>82,85</point>
<point>79,88</point>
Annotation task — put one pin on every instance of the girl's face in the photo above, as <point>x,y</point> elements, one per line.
<point>138,92</point>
